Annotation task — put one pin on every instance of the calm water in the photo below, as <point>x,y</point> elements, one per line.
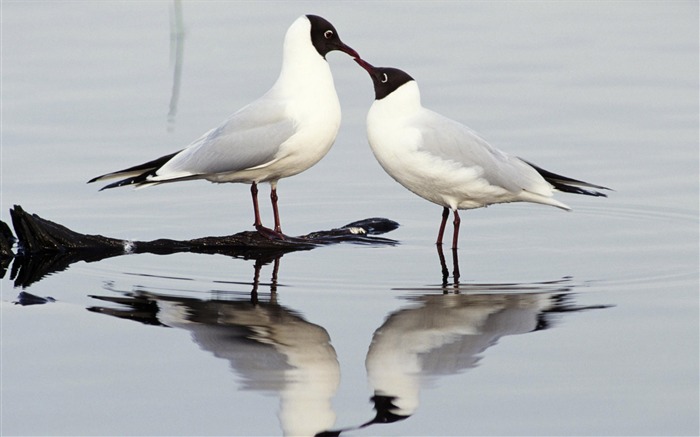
<point>563,323</point>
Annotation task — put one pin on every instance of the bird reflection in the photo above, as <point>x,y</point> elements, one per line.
<point>444,334</point>
<point>271,348</point>
<point>274,349</point>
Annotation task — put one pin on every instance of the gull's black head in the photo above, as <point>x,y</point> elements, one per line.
<point>325,38</point>
<point>386,80</point>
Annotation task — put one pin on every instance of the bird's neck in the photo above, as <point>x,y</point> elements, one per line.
<point>304,72</point>
<point>403,102</point>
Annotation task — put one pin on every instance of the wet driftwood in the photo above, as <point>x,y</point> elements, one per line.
<point>6,241</point>
<point>44,247</point>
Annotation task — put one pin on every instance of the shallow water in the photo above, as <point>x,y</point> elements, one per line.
<point>562,323</point>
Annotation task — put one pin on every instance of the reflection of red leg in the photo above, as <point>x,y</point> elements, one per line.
<point>456,234</point>
<point>256,209</point>
<point>256,280</point>
<point>273,284</point>
<point>273,198</point>
<point>445,214</point>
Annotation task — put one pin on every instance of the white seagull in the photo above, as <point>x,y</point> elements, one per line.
<point>284,132</point>
<point>444,161</point>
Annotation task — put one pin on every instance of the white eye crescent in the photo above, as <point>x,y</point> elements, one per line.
<point>328,34</point>
<point>385,78</point>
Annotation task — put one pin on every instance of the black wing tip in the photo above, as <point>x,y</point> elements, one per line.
<point>589,185</point>
<point>113,185</point>
<point>593,193</point>
<point>118,183</point>
<point>148,168</point>
<point>136,181</point>
<point>578,190</point>
<point>596,194</point>
<point>565,188</point>
<point>567,184</point>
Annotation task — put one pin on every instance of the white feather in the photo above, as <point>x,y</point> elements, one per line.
<point>444,161</point>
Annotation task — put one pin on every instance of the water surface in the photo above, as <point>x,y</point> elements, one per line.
<point>562,323</point>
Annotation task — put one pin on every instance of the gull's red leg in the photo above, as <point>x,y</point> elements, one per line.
<point>275,210</point>
<point>455,237</point>
<point>256,209</point>
<point>445,214</point>
<point>267,232</point>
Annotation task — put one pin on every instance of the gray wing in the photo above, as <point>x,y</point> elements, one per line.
<point>452,141</point>
<point>249,138</point>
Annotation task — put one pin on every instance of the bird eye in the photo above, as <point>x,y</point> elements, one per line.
<point>385,78</point>
<point>328,34</point>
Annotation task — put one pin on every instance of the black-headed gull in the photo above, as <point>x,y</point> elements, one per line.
<point>444,161</point>
<point>286,131</point>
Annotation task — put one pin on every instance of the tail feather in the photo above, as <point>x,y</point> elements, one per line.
<point>567,184</point>
<point>136,174</point>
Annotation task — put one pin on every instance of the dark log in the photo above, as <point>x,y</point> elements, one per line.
<point>37,235</point>
<point>45,247</point>
<point>7,240</point>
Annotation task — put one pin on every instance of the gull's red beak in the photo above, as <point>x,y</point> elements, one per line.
<point>364,64</point>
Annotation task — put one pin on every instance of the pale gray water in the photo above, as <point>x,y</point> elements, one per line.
<point>603,91</point>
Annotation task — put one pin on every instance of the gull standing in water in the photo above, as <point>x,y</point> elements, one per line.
<point>284,132</point>
<point>447,163</point>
